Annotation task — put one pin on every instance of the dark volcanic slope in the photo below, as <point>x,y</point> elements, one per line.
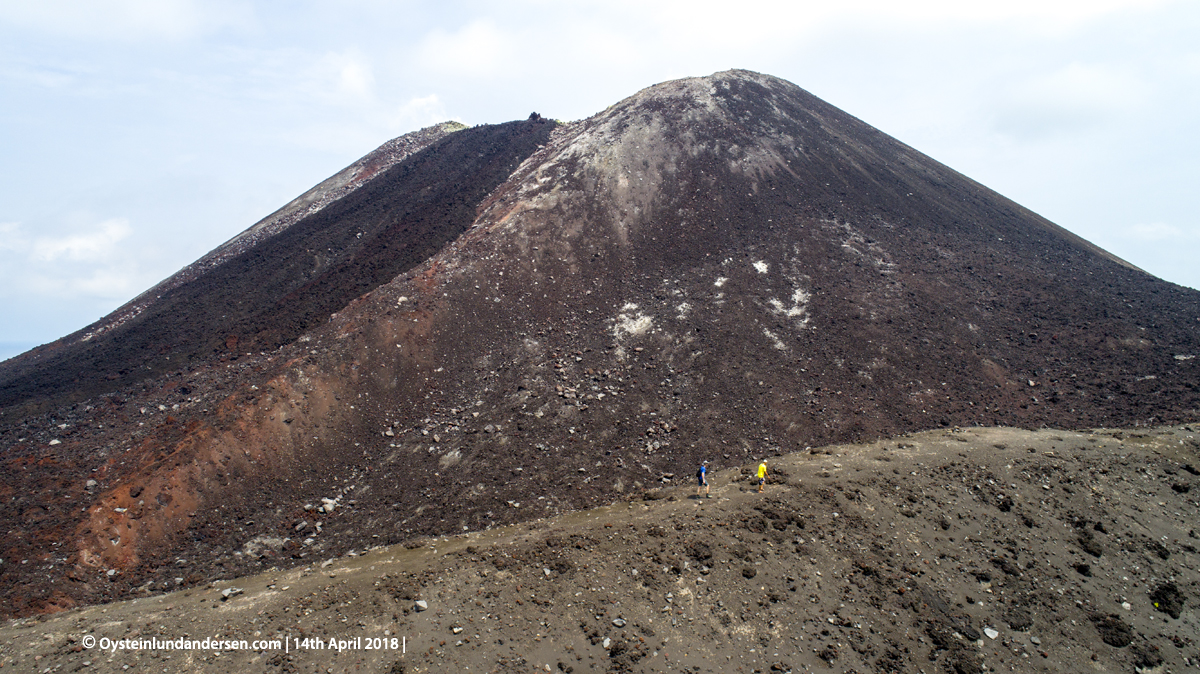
<point>270,291</point>
<point>722,267</point>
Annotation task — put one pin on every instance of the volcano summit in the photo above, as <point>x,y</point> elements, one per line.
<point>477,326</point>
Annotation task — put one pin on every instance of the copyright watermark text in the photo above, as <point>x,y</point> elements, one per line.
<point>286,645</point>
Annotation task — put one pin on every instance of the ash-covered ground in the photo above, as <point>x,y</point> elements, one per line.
<point>957,550</point>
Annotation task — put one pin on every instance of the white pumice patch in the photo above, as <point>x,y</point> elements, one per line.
<point>761,267</point>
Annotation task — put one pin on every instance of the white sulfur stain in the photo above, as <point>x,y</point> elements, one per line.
<point>635,326</point>
<point>775,341</point>
<point>761,267</point>
<point>629,323</point>
<point>800,299</point>
<point>798,309</point>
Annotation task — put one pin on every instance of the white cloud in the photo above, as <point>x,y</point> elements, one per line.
<point>418,113</point>
<point>12,238</point>
<point>107,283</point>
<point>1058,14</point>
<point>752,23</point>
<point>1159,231</point>
<point>334,78</point>
<point>97,246</point>
<point>125,19</point>
<point>356,78</point>
<point>478,49</point>
<point>92,263</point>
<point>1069,99</point>
<point>346,73</point>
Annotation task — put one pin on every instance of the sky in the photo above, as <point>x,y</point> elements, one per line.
<point>137,135</point>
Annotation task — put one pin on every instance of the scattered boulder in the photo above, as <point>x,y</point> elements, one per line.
<point>262,545</point>
<point>1158,549</point>
<point>1113,631</point>
<point>699,551</point>
<point>1146,656</point>
<point>1089,544</point>
<point>1168,599</point>
<point>1006,566</point>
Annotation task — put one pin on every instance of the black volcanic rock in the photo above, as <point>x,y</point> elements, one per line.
<point>717,268</point>
<point>273,285</point>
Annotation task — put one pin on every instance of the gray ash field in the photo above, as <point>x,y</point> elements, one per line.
<point>961,550</point>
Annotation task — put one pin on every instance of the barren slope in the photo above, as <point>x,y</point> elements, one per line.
<point>715,267</point>
<point>964,550</point>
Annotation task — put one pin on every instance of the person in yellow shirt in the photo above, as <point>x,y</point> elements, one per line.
<point>762,475</point>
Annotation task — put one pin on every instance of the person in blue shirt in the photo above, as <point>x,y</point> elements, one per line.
<point>702,479</point>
